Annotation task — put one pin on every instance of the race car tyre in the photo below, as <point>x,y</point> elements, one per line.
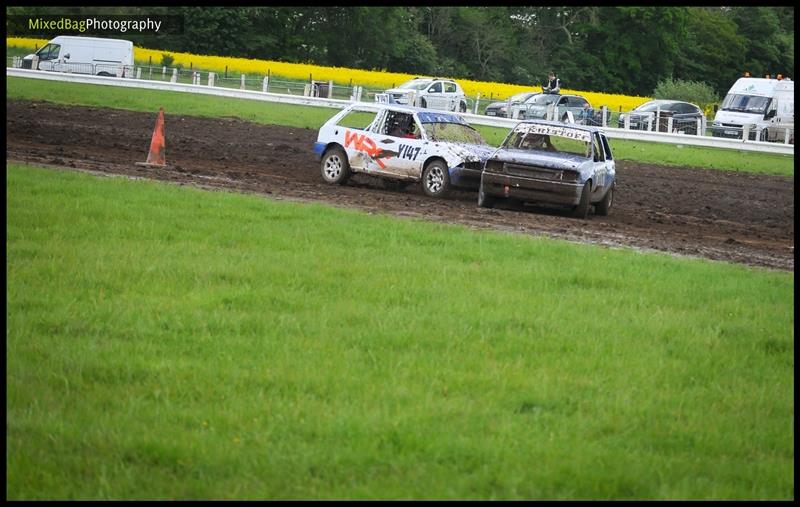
<point>422,103</point>
<point>462,107</point>
<point>582,209</point>
<point>436,179</point>
<point>334,166</point>
<point>603,207</point>
<point>485,201</point>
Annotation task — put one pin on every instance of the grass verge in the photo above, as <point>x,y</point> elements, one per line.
<point>172,343</point>
<point>313,117</point>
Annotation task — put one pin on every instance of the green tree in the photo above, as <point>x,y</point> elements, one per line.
<point>714,51</point>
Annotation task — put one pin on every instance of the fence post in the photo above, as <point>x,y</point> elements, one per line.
<point>35,62</point>
<point>211,77</point>
<point>305,89</point>
<point>627,122</point>
<point>603,113</point>
<point>265,84</point>
<point>669,124</point>
<point>242,86</point>
<point>701,126</point>
<point>174,78</point>
<point>139,73</point>
<point>746,132</point>
<point>330,89</point>
<point>477,101</point>
<point>163,72</point>
<point>785,135</point>
<point>658,119</point>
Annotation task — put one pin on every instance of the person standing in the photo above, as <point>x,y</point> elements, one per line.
<point>553,84</point>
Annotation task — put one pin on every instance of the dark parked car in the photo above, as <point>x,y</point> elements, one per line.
<point>551,162</point>
<point>537,107</point>
<point>501,108</point>
<point>684,116</point>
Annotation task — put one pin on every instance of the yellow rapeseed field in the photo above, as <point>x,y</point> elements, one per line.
<point>344,76</point>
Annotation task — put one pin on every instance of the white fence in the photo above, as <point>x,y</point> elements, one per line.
<point>322,101</point>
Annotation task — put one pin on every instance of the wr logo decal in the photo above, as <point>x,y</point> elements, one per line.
<point>366,145</point>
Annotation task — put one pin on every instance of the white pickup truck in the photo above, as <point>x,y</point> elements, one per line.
<point>402,145</point>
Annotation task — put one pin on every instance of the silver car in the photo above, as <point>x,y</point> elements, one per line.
<point>551,162</point>
<point>430,93</point>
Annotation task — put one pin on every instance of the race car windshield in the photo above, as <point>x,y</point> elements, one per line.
<point>550,139</point>
<point>746,103</point>
<point>416,84</point>
<point>452,132</point>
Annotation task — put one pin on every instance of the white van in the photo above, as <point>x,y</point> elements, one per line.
<point>85,55</point>
<point>766,106</point>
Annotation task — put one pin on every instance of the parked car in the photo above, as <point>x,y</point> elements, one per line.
<point>684,116</point>
<point>538,107</point>
<point>550,162</point>
<point>402,145</point>
<point>431,93</point>
<point>84,55</point>
<point>501,108</point>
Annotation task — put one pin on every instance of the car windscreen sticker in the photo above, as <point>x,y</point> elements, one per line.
<point>552,130</point>
<point>440,118</point>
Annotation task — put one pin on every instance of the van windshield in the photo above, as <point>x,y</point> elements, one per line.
<point>746,103</point>
<point>49,52</point>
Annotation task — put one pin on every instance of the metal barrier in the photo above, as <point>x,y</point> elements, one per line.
<point>290,98</point>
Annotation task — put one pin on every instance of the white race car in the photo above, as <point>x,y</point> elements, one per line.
<point>402,145</point>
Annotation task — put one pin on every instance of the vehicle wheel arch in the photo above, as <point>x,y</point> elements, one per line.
<point>433,158</point>
<point>332,145</point>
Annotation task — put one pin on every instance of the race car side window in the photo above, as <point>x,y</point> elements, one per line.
<point>435,88</point>
<point>357,119</point>
<point>599,153</point>
<point>606,148</point>
<point>449,87</point>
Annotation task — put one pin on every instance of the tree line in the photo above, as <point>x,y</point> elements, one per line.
<point>624,50</point>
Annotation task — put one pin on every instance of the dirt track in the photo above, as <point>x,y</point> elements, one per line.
<point>705,213</point>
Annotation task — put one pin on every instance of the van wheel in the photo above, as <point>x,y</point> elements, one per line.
<point>436,179</point>
<point>334,166</point>
<point>582,209</point>
<point>104,74</point>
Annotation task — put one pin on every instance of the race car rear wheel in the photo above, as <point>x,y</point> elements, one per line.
<point>436,179</point>
<point>582,209</point>
<point>334,166</point>
<point>603,207</point>
<point>462,107</point>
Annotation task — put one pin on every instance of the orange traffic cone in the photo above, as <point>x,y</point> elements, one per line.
<point>157,157</point>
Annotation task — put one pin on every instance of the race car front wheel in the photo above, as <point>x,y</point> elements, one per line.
<point>335,168</point>
<point>436,179</point>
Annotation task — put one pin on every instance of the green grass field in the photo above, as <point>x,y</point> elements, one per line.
<point>170,343</point>
<point>314,117</point>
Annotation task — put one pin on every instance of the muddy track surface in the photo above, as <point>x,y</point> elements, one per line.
<point>718,215</point>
